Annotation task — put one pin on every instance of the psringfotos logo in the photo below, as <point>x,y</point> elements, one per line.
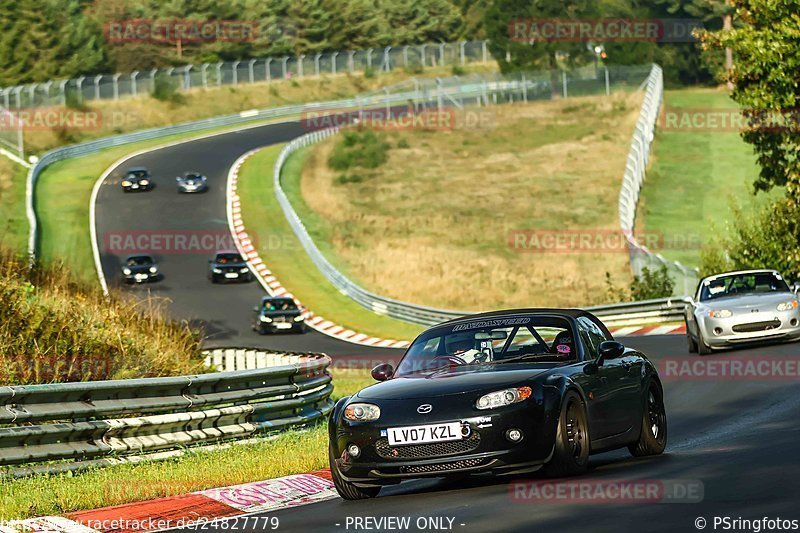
<point>608,491</point>
<point>184,31</point>
<point>603,30</point>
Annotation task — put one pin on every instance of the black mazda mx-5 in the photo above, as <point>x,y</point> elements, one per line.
<point>507,392</point>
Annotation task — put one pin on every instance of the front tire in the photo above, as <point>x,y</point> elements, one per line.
<point>692,344</point>
<point>571,451</point>
<point>347,490</point>
<point>702,349</point>
<point>653,437</point>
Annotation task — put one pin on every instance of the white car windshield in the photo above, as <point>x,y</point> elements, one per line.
<point>739,284</point>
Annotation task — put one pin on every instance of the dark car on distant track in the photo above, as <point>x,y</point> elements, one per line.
<point>228,265</point>
<point>137,179</point>
<point>507,392</point>
<point>192,182</point>
<point>140,269</point>
<point>275,314</point>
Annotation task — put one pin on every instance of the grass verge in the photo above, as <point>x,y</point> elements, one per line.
<point>283,254</point>
<point>694,179</point>
<point>292,452</point>
<point>437,222</point>
<point>14,231</point>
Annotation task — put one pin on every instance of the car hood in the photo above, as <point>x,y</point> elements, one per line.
<point>746,302</point>
<point>459,380</point>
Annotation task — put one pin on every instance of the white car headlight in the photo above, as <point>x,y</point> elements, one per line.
<point>721,313</point>
<point>362,412</point>
<point>126,271</point>
<point>788,306</point>
<point>299,318</point>
<point>502,398</point>
<point>153,270</point>
<point>144,182</point>
<point>217,271</point>
<point>126,183</point>
<point>265,319</point>
<point>244,270</point>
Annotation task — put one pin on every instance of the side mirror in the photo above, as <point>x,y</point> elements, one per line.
<point>382,372</point>
<point>256,309</point>
<point>610,350</point>
<point>796,287</point>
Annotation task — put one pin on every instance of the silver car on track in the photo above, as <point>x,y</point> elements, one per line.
<point>741,307</point>
<point>192,182</point>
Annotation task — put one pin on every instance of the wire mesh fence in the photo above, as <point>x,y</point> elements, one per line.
<point>258,70</point>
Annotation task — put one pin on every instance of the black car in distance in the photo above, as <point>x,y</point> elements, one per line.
<point>137,179</point>
<point>276,314</point>
<point>228,266</point>
<point>140,269</point>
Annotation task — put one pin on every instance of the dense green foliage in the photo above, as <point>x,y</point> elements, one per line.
<point>652,284</point>
<point>766,45</point>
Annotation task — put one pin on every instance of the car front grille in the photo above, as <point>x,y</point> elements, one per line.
<point>435,449</point>
<point>442,467</point>
<point>757,326</point>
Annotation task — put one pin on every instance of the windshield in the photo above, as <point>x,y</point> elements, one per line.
<point>191,176</point>
<point>139,260</point>
<point>136,174</point>
<point>492,341</point>
<point>738,284</point>
<point>279,305</point>
<point>229,258</point>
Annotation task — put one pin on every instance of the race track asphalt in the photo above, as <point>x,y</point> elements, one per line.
<point>224,311</point>
<point>738,438</point>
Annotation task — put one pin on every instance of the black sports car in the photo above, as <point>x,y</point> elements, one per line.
<point>192,182</point>
<point>137,179</point>
<point>507,392</point>
<point>278,314</point>
<point>140,269</point>
<point>228,266</point>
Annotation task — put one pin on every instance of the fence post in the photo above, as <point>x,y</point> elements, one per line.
<point>333,62</point>
<point>422,54</point>
<point>405,56</point>
<point>204,75</point>
<point>300,59</point>
<point>32,94</point>
<point>235,72</point>
<point>351,61</point>
<point>79,83</point>
<point>462,52</point>
<point>608,85</point>
<point>62,87</point>
<point>251,72</point>
<point>369,58</point>
<point>115,81</point>
<point>441,54</point>
<point>484,52</point>
<point>97,80</point>
<point>524,89</point>
<point>134,87</point>
<point>46,86</point>
<point>564,83</point>
<point>439,94</point>
<point>316,64</point>
<point>5,92</point>
<point>386,59</point>
<point>284,61</point>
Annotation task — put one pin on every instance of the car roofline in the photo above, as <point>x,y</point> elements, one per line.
<point>741,272</point>
<point>569,313</point>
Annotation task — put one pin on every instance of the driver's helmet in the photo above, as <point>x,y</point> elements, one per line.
<point>564,345</point>
<point>458,344</point>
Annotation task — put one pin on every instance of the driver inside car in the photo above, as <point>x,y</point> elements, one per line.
<point>463,348</point>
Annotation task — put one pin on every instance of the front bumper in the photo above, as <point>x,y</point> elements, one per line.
<point>231,277</point>
<point>140,277</point>
<point>486,449</point>
<point>281,327</point>
<point>191,188</point>
<point>746,328</point>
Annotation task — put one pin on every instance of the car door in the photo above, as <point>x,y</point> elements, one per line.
<point>614,387</point>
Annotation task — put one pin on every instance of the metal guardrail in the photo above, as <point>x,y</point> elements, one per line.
<point>87,421</point>
<point>685,278</point>
<point>619,314</point>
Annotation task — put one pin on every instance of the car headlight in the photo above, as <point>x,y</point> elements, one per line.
<point>362,412</point>
<point>502,398</point>
<point>265,319</point>
<point>153,270</point>
<point>126,271</point>
<point>788,306</point>
<point>144,182</point>
<point>217,271</point>
<point>299,318</point>
<point>126,183</point>
<point>244,270</point>
<point>722,313</point>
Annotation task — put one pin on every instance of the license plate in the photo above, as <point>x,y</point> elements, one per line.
<point>141,276</point>
<point>283,325</point>
<point>232,275</point>
<point>425,434</point>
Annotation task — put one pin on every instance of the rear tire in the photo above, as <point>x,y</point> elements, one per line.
<point>571,450</point>
<point>347,490</point>
<point>653,437</point>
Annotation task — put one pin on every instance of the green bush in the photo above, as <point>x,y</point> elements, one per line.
<point>403,143</point>
<point>362,148</point>
<point>652,284</point>
<point>457,70</point>
<point>166,90</point>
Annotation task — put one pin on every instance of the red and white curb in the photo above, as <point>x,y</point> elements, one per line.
<point>268,280</point>
<point>192,510</point>
<point>635,331</point>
